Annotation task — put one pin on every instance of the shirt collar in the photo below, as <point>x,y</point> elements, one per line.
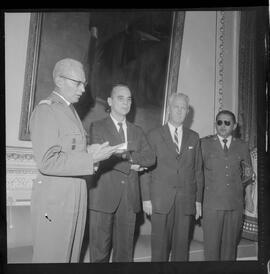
<point>116,122</point>
<point>172,128</point>
<point>65,100</point>
<point>229,138</point>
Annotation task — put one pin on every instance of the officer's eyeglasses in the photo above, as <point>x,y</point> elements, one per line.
<point>78,83</point>
<point>220,122</point>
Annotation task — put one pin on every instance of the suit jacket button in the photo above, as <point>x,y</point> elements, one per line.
<point>122,182</point>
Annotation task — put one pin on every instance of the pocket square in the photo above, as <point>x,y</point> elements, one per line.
<point>190,147</point>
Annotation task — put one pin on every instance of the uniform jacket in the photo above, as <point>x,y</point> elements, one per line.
<point>173,170</point>
<point>108,183</point>
<point>59,145</point>
<point>223,187</point>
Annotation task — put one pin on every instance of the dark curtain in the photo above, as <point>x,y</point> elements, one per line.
<point>252,102</point>
<point>252,63</point>
<point>247,97</point>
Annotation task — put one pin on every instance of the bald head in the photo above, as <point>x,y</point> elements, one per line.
<point>69,79</point>
<point>175,96</point>
<point>66,67</point>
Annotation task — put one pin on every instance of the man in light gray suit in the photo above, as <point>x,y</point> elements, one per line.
<point>172,190</point>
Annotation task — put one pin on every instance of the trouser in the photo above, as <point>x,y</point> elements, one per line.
<point>112,231</point>
<point>221,229</point>
<point>170,233</point>
<point>57,231</point>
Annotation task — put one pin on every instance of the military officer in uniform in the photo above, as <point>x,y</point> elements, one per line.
<point>59,195</point>
<point>223,158</point>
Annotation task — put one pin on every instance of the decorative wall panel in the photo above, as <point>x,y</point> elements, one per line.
<point>20,172</point>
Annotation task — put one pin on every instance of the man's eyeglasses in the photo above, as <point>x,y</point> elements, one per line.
<point>78,83</point>
<point>220,122</point>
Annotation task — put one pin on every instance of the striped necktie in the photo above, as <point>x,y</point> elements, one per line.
<point>176,140</point>
<point>121,132</point>
<point>225,148</point>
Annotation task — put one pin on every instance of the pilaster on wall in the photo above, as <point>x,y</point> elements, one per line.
<point>220,49</point>
<point>20,171</point>
<point>226,61</point>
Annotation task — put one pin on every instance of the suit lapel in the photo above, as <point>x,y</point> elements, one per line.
<point>112,131</point>
<point>130,135</point>
<point>169,141</point>
<point>217,145</point>
<point>184,140</point>
<point>79,122</point>
<point>233,145</point>
<point>67,110</point>
<point>166,134</point>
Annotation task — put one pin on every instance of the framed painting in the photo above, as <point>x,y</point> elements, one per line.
<point>140,48</point>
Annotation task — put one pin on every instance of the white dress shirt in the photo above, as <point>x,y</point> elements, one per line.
<point>179,133</point>
<point>229,140</point>
<point>124,124</point>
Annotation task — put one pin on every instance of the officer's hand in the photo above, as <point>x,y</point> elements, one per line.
<point>101,152</point>
<point>147,207</point>
<point>198,210</point>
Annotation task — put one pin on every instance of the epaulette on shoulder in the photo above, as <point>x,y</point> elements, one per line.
<point>48,102</point>
<point>208,136</point>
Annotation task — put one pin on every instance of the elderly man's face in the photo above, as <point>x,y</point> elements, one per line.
<point>178,110</point>
<point>73,84</point>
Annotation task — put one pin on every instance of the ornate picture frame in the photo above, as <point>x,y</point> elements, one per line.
<point>32,68</point>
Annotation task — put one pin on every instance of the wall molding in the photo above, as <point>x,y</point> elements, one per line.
<point>21,169</point>
<point>220,51</point>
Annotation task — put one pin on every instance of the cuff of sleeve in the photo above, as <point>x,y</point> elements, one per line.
<point>199,198</point>
<point>96,166</point>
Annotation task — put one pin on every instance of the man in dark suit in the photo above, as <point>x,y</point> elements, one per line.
<point>172,190</point>
<point>114,194</point>
<point>59,194</point>
<point>224,158</point>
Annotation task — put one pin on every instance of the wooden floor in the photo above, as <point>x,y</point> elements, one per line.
<point>247,250</point>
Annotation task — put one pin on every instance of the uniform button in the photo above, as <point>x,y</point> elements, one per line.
<point>227,174</point>
<point>228,184</point>
<point>122,182</point>
<point>39,182</point>
<point>226,167</point>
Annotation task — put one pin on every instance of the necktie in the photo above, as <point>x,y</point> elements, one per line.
<point>176,140</point>
<point>225,148</point>
<point>121,132</point>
